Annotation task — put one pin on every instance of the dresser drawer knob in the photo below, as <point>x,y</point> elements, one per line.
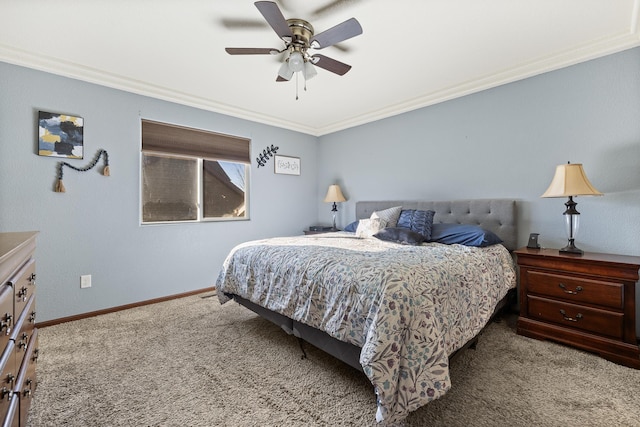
<point>571,319</point>
<point>569,291</point>
<point>27,390</point>
<point>5,323</point>
<point>22,293</point>
<point>10,379</point>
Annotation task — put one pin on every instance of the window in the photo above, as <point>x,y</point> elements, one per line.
<point>192,175</point>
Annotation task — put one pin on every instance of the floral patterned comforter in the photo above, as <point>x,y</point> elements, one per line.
<point>408,307</point>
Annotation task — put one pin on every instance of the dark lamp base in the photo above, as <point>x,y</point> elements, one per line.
<point>571,249</point>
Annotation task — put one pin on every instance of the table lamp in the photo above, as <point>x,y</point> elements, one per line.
<point>569,181</point>
<point>334,195</point>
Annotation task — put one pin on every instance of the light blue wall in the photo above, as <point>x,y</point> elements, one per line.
<point>506,142</point>
<point>94,227</point>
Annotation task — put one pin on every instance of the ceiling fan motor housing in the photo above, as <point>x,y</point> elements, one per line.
<point>302,32</point>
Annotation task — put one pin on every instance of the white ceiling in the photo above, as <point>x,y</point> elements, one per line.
<point>412,53</point>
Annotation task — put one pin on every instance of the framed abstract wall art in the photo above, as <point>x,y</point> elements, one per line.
<point>60,135</point>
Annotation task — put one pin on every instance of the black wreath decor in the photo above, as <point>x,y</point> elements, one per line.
<point>60,186</point>
<point>266,154</point>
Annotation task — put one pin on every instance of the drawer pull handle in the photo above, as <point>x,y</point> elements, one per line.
<point>569,291</point>
<point>571,319</point>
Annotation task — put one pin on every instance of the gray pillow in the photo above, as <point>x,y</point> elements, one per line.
<point>389,216</point>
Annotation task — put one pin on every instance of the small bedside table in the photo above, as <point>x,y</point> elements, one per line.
<point>584,301</point>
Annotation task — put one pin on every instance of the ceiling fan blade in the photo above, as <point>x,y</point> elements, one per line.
<point>329,64</point>
<point>274,17</point>
<point>281,79</point>
<point>346,30</point>
<point>250,51</point>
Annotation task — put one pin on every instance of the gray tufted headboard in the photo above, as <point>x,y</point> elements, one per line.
<point>497,215</point>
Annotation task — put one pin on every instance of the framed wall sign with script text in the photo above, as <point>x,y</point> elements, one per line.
<point>287,165</point>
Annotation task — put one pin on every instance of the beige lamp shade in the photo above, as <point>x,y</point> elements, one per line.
<point>334,194</point>
<point>570,180</point>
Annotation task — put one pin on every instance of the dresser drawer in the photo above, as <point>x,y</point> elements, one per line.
<point>6,314</point>
<point>27,380</point>
<point>8,374</point>
<point>23,284</point>
<point>594,320</point>
<point>24,328</point>
<point>576,289</point>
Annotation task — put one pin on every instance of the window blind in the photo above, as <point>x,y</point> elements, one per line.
<point>173,139</point>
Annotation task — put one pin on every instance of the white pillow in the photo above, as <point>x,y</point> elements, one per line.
<point>383,222</point>
<point>389,216</point>
<point>369,227</point>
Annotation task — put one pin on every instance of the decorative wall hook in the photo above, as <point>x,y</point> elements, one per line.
<point>60,186</point>
<point>266,154</point>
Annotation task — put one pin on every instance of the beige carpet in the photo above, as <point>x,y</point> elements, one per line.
<point>191,362</point>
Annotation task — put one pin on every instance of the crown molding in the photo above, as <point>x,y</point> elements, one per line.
<point>558,61</point>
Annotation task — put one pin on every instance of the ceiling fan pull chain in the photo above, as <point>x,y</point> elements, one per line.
<point>296,86</point>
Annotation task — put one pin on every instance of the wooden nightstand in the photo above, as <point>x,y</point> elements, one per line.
<point>584,301</point>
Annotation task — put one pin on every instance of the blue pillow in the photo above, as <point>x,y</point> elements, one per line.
<point>417,220</point>
<point>400,235</point>
<point>352,227</point>
<point>463,234</point>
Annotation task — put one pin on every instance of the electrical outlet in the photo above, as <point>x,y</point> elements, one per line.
<point>85,281</point>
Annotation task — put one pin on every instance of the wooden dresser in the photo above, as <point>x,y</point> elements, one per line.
<point>585,301</point>
<point>18,335</point>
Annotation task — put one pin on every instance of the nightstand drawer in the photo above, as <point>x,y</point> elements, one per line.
<point>602,322</point>
<point>579,290</point>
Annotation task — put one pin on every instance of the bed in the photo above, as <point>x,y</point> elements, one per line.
<point>397,312</point>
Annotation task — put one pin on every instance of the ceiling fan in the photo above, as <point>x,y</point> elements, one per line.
<point>298,37</point>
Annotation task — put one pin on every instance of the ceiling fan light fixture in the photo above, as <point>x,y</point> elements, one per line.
<point>309,70</point>
<point>285,71</point>
<point>296,61</point>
